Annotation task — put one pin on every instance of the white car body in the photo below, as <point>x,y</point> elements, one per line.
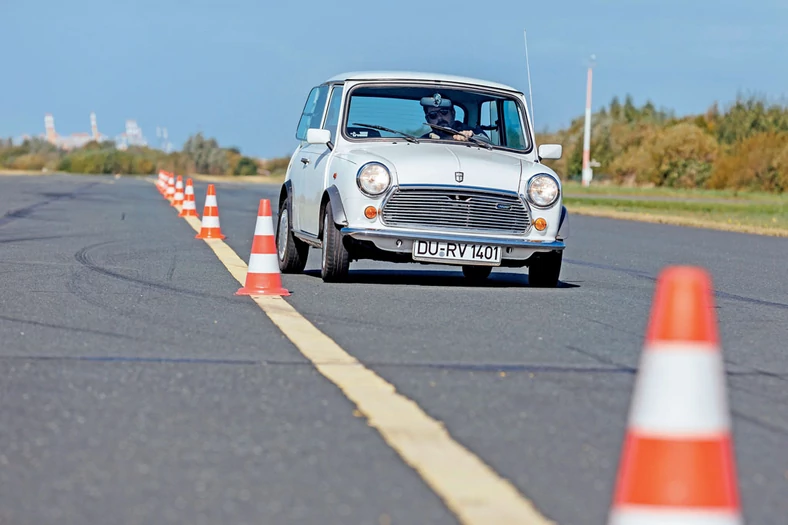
<point>478,194</point>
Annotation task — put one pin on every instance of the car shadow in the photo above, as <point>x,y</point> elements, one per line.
<point>441,278</point>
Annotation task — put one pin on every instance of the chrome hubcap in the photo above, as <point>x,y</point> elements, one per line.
<point>281,241</point>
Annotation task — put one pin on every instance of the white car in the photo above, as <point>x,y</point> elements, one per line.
<point>416,167</point>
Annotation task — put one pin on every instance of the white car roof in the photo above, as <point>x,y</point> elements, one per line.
<point>415,75</point>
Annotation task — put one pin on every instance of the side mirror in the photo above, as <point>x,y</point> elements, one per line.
<point>550,151</point>
<point>319,136</point>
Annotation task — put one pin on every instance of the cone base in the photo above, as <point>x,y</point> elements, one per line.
<point>209,236</point>
<point>258,291</point>
<point>188,213</point>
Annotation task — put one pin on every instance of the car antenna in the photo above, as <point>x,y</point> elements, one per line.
<point>530,93</point>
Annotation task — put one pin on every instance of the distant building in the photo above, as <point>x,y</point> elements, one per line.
<point>75,140</point>
<point>132,137</point>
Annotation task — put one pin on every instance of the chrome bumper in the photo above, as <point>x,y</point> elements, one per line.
<point>409,236</point>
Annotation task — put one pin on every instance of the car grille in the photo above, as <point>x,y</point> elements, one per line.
<point>457,210</point>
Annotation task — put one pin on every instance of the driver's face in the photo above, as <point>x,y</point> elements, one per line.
<point>440,116</point>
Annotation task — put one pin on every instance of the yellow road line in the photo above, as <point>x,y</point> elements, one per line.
<point>475,493</point>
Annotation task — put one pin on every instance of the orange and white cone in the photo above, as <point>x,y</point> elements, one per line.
<point>189,208</point>
<point>170,193</point>
<point>677,465</point>
<point>161,183</point>
<point>263,276</point>
<point>210,229</point>
<point>177,200</point>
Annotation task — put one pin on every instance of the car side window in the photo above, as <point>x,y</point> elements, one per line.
<point>332,116</point>
<point>312,116</point>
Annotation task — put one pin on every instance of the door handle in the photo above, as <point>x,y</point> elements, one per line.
<point>305,160</point>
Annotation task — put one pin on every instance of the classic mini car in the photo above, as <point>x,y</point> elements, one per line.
<point>416,167</point>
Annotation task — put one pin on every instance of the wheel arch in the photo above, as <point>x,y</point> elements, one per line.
<point>332,198</point>
<point>563,225</point>
<point>285,192</point>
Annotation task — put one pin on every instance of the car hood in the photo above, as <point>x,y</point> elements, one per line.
<point>439,164</point>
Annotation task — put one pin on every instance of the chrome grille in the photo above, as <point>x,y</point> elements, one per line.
<point>457,210</point>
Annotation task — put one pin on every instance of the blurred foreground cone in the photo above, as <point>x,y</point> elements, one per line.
<point>170,193</point>
<point>177,199</point>
<point>211,228</point>
<point>189,208</point>
<point>677,464</point>
<point>263,276</point>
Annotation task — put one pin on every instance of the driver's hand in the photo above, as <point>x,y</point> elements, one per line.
<point>463,135</point>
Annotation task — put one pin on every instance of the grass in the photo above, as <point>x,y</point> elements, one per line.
<point>766,217</point>
<point>574,188</point>
<point>8,171</point>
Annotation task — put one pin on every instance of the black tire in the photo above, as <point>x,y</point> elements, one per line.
<point>476,274</point>
<point>544,269</point>
<point>291,252</point>
<point>334,260</point>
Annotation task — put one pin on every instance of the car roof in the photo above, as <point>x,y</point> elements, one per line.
<point>416,75</point>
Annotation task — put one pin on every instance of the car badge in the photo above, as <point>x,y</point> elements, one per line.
<point>459,176</point>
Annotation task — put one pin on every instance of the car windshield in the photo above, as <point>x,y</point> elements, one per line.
<point>428,113</point>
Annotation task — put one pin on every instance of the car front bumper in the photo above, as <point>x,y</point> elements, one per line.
<point>401,241</point>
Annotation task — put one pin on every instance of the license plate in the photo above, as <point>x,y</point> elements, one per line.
<point>443,251</point>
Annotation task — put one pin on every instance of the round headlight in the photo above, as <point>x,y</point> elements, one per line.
<point>543,190</point>
<point>373,178</point>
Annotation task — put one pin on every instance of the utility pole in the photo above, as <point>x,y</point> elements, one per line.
<point>587,173</point>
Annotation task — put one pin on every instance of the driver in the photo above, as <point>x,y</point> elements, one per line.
<point>440,111</point>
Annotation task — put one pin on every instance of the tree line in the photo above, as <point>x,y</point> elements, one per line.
<point>199,155</point>
<point>742,147</point>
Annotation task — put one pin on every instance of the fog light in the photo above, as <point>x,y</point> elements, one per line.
<point>540,224</point>
<point>370,212</point>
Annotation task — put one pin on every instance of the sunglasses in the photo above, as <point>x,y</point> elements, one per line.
<point>432,115</point>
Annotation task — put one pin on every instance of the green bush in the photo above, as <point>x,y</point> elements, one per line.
<point>245,166</point>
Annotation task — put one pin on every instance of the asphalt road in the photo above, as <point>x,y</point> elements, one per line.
<point>136,388</point>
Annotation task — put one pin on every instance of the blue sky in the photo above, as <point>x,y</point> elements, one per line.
<point>239,70</point>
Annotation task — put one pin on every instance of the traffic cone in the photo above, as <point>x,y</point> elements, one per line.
<point>210,229</point>
<point>177,200</point>
<point>161,182</point>
<point>677,464</point>
<point>189,208</point>
<point>170,193</point>
<point>263,276</point>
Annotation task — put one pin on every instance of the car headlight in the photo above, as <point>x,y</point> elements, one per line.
<point>543,190</point>
<point>373,178</point>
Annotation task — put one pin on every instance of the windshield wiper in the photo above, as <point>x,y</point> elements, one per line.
<point>455,132</point>
<point>409,138</point>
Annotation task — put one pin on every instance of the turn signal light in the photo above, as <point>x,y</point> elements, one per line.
<point>540,224</point>
<point>370,212</point>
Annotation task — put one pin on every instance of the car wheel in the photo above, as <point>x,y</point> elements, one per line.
<point>291,252</point>
<point>476,274</point>
<point>335,261</point>
<point>544,269</point>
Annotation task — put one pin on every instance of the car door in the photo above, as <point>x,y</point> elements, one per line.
<point>317,163</point>
<point>303,182</point>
